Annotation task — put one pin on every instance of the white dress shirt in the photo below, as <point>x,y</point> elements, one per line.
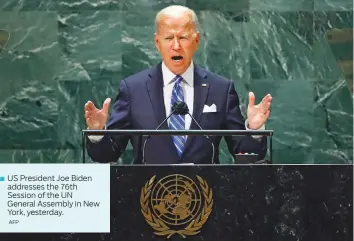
<point>187,86</point>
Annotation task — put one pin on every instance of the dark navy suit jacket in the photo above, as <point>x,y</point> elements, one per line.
<point>140,105</point>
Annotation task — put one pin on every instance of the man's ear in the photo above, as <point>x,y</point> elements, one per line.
<point>156,40</point>
<point>197,37</point>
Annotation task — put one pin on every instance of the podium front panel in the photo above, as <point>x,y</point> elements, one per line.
<point>224,202</point>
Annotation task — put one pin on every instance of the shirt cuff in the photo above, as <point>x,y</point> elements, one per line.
<point>261,128</point>
<point>95,139</point>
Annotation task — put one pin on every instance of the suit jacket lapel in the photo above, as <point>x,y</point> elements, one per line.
<point>201,90</point>
<point>155,89</point>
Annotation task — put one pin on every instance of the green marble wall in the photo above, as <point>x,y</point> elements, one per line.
<point>62,53</point>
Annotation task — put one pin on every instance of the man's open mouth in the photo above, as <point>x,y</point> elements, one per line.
<point>177,58</point>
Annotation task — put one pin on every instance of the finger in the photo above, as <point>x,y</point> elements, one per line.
<point>89,123</point>
<point>106,104</point>
<point>269,98</point>
<point>89,106</point>
<point>87,114</point>
<point>266,107</point>
<point>266,98</point>
<point>251,99</point>
<point>266,102</point>
<point>267,114</point>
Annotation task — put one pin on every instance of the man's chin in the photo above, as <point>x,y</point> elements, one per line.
<point>178,67</point>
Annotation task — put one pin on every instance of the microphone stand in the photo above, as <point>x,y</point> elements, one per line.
<point>180,108</point>
<point>144,145</point>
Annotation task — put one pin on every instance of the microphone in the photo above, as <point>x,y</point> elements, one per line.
<point>173,111</point>
<point>180,108</point>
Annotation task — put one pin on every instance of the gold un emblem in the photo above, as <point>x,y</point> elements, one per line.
<point>176,205</point>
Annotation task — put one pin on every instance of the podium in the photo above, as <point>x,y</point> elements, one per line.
<point>227,202</point>
<point>244,158</point>
<point>231,202</point>
<point>215,202</point>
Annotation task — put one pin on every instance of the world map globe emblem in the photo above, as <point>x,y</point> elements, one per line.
<point>176,205</point>
<point>176,200</point>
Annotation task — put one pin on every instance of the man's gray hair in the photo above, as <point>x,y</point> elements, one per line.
<point>170,10</point>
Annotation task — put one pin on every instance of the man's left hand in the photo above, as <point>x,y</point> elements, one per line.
<point>257,115</point>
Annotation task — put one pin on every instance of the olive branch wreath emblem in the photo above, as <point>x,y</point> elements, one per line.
<point>160,227</point>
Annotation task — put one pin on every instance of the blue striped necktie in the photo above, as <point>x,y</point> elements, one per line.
<point>177,121</point>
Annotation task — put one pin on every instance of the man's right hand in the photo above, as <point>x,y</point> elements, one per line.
<point>96,118</point>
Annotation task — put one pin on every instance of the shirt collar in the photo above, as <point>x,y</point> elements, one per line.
<point>168,76</point>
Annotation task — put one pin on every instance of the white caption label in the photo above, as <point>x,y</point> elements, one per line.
<point>69,198</point>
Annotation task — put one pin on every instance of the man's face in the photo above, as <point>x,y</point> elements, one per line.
<point>177,40</point>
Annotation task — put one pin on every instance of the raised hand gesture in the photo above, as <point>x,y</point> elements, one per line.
<point>96,118</point>
<point>257,115</point>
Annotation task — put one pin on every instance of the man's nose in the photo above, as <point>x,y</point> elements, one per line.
<point>176,44</point>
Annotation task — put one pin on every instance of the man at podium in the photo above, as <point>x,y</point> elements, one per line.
<point>145,100</point>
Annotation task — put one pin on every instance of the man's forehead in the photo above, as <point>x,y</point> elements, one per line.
<point>168,24</point>
<point>179,31</point>
<point>185,27</point>
<point>176,26</point>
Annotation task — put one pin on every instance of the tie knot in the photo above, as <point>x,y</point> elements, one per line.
<point>178,79</point>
